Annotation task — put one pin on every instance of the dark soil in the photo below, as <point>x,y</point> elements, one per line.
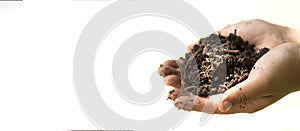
<point>217,63</point>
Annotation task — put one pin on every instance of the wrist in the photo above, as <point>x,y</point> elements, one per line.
<point>293,35</point>
<point>297,70</point>
<point>291,65</point>
<point>298,66</point>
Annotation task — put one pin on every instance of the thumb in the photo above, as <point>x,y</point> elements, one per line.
<point>240,94</point>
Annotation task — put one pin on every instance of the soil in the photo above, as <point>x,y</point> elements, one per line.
<point>216,64</point>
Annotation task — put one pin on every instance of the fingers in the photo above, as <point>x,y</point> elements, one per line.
<point>234,96</point>
<point>238,97</point>
<point>173,80</point>
<point>191,46</point>
<point>173,94</point>
<point>241,102</point>
<point>171,63</point>
<point>186,102</point>
<point>243,29</point>
<point>200,104</point>
<point>169,67</point>
<point>170,71</point>
<point>256,32</point>
<point>192,102</point>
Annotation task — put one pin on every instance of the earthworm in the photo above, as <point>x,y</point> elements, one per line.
<point>244,77</point>
<point>224,87</point>
<point>231,51</point>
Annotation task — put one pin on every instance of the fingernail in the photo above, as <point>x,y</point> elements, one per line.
<point>226,106</point>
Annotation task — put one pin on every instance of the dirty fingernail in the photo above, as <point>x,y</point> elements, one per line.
<point>226,106</point>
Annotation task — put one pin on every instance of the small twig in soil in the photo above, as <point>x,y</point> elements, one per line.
<point>234,32</point>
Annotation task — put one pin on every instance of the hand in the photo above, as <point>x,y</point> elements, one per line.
<point>275,75</point>
<point>261,33</point>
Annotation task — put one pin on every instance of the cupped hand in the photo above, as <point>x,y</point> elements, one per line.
<point>275,75</point>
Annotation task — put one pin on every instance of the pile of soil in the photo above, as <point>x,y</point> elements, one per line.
<point>217,63</point>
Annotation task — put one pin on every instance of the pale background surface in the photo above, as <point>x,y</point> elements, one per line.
<point>37,45</point>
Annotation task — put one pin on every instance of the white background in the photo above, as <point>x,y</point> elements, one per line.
<point>37,43</point>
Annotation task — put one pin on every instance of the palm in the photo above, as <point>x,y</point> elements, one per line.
<point>266,83</point>
<point>258,32</point>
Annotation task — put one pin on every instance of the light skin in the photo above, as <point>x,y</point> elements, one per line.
<point>274,75</point>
